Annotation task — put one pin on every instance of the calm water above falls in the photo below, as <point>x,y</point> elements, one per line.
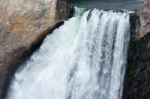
<point>109,4</point>
<point>83,59</point>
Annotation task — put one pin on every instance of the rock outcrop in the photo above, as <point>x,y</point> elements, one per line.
<point>145,19</point>
<point>137,82</point>
<point>23,25</point>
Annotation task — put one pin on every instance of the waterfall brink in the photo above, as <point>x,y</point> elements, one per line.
<point>83,59</point>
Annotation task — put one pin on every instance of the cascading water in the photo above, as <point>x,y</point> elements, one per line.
<point>83,59</point>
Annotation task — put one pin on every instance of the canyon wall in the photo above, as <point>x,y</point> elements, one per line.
<point>137,81</point>
<point>23,25</point>
<point>145,19</point>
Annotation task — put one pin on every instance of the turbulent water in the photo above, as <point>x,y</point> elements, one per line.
<point>83,59</point>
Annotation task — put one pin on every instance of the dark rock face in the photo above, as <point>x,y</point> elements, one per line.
<point>143,80</point>
<point>137,80</point>
<point>23,26</point>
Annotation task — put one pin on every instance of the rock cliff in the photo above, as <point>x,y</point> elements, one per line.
<point>137,81</point>
<point>145,19</point>
<point>23,25</point>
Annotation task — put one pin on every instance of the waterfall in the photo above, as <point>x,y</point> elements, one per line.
<point>83,59</point>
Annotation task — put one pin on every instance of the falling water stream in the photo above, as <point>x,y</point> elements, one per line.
<point>83,59</point>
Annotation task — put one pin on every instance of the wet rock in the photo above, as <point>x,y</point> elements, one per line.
<point>137,82</point>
